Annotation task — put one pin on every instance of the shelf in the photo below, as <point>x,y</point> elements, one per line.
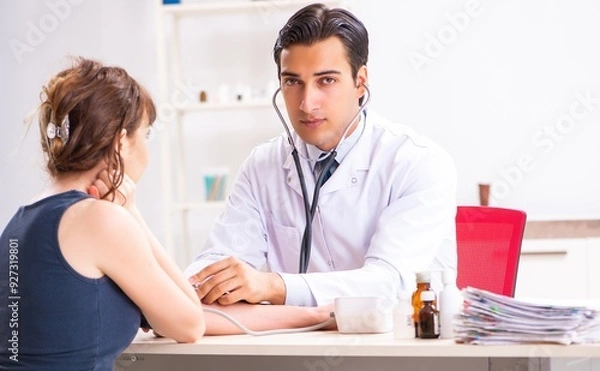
<point>171,24</point>
<point>187,206</point>
<point>198,107</point>
<point>181,10</point>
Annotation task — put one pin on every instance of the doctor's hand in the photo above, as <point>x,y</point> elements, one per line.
<point>231,280</point>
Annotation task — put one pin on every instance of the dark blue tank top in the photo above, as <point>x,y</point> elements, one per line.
<point>51,317</point>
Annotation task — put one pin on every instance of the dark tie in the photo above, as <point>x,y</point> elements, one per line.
<point>320,165</point>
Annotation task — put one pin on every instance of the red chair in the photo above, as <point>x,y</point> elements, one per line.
<point>489,245</point>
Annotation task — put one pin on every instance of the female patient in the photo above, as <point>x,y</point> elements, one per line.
<point>76,272</point>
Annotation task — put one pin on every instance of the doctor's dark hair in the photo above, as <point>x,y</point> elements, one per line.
<point>315,23</point>
<point>98,102</point>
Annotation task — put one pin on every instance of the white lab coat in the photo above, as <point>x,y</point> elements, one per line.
<point>388,211</point>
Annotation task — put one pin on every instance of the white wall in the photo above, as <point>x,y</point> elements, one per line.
<point>117,32</point>
<point>498,88</point>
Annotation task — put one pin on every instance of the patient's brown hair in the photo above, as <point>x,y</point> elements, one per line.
<point>99,101</point>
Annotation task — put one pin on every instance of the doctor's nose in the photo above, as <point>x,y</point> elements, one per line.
<point>311,100</point>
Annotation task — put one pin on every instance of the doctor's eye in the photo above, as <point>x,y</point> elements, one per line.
<point>328,80</point>
<point>291,81</point>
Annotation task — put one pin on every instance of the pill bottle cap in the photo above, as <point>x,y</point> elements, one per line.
<point>423,276</point>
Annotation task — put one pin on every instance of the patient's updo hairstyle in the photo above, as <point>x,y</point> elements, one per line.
<point>84,109</point>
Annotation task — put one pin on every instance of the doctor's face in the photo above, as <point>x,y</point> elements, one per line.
<point>321,95</point>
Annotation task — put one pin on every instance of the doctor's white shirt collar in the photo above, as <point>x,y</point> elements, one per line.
<point>314,152</point>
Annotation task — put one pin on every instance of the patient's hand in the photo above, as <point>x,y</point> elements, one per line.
<point>327,310</point>
<point>124,195</point>
<point>145,329</point>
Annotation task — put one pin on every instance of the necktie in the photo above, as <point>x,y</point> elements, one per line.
<point>320,166</point>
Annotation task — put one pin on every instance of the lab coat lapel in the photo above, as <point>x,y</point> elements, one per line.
<point>292,179</point>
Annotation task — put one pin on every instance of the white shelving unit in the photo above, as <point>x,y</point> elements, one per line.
<point>170,59</point>
<point>199,107</point>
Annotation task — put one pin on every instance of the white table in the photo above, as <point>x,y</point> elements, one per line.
<point>333,351</point>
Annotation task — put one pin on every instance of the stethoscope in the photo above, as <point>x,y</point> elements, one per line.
<point>310,209</point>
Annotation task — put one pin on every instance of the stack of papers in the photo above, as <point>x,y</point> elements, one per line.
<point>492,319</point>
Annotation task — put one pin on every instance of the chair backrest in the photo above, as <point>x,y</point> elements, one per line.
<point>488,246</point>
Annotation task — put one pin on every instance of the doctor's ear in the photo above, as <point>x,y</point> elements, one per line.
<point>361,79</point>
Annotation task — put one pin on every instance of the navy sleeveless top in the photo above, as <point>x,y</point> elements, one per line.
<point>51,317</point>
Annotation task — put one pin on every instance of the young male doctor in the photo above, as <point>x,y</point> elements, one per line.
<point>386,212</point>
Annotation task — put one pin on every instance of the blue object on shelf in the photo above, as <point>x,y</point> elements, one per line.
<point>171,1</point>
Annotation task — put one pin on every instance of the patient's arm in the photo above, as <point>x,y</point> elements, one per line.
<point>259,317</point>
